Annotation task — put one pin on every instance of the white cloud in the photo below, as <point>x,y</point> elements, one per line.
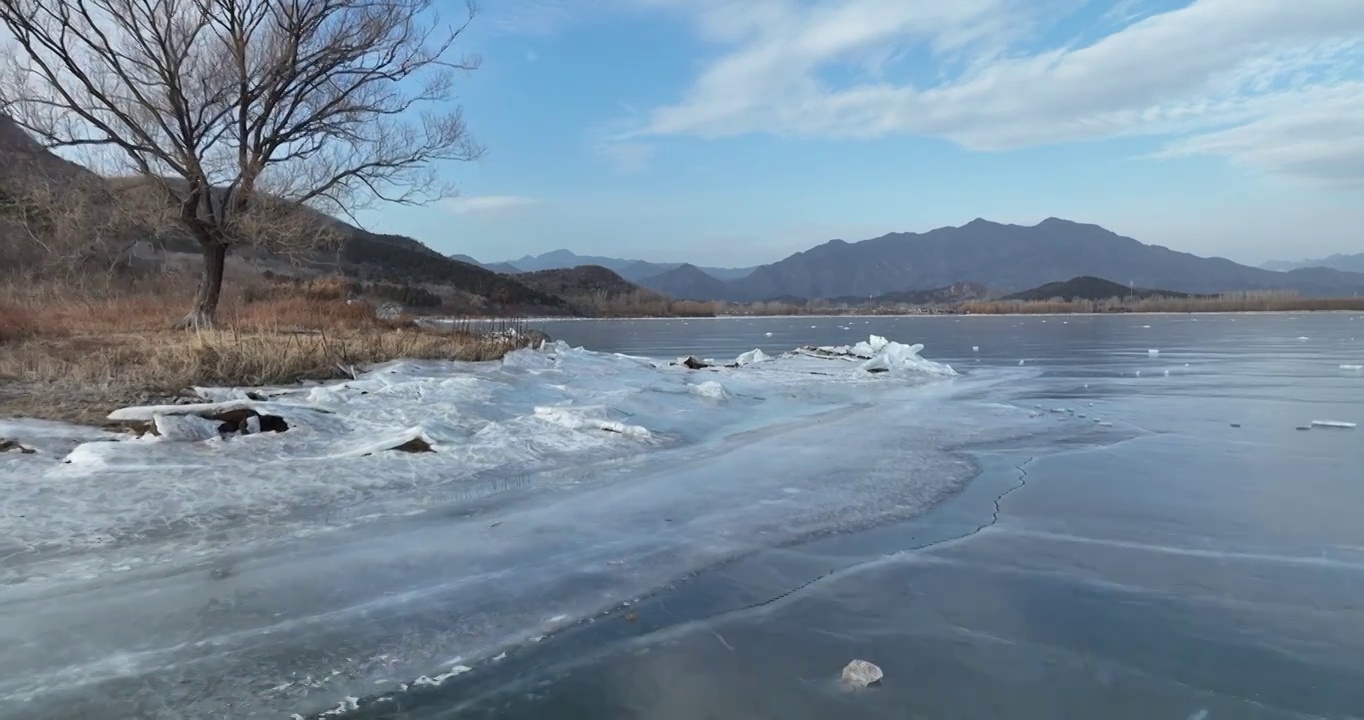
<point>469,205</point>
<point>1242,79</point>
<point>626,157</point>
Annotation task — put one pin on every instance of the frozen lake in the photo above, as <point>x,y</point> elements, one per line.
<point>1069,527</point>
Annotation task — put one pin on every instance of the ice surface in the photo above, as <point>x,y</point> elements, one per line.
<point>273,573</point>
<point>188,428</point>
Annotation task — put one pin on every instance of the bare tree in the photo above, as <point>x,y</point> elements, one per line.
<point>66,227</point>
<point>237,110</point>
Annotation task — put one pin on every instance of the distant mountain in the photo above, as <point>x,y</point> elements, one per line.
<point>688,282</point>
<point>1012,258</point>
<point>504,268</point>
<point>633,270</point>
<point>590,289</point>
<point>1344,263</point>
<point>951,294</point>
<point>1090,288</point>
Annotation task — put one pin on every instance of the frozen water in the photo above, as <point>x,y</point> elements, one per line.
<point>273,573</point>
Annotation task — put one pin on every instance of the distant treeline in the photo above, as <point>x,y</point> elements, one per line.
<point>1255,301</point>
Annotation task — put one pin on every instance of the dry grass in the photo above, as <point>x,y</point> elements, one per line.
<point>78,356</point>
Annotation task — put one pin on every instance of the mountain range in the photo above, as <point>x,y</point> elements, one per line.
<point>632,270</point>
<point>1005,258</point>
<point>1345,263</point>
<point>1001,257</point>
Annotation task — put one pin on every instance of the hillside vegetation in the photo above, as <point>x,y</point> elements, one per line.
<point>596,291</point>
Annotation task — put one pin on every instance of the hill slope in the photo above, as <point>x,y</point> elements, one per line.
<point>595,290</point>
<point>687,282</point>
<point>1012,258</point>
<point>361,253</point>
<point>1089,288</point>
<point>954,293</point>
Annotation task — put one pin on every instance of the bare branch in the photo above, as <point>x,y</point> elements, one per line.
<point>238,112</point>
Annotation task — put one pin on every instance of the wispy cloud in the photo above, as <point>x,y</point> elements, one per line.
<point>540,17</point>
<point>469,205</point>
<point>626,157</point>
<point>1239,79</point>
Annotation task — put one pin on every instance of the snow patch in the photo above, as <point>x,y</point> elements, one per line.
<point>587,418</point>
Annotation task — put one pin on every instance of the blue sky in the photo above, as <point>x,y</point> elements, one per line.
<point>735,132</point>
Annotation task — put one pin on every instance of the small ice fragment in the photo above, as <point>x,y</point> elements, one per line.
<point>1352,367</point>
<point>860,674</point>
<point>1153,351</point>
<point>1167,372</point>
<point>1304,337</point>
<point>768,334</point>
<point>975,348</point>
<point>1104,424</point>
<point>752,356</point>
<point>1148,327</point>
<point>1138,373</point>
<point>710,389</point>
<point>1059,411</point>
<point>1020,362</point>
<point>500,658</point>
<point>1341,424</point>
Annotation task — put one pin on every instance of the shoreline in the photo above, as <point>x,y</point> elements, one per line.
<point>637,509</point>
<point>864,316</point>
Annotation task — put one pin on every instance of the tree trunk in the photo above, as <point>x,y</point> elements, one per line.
<point>202,315</point>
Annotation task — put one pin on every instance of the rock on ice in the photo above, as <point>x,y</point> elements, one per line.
<point>860,674</point>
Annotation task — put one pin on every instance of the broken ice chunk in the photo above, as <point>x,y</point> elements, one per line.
<point>1341,424</point>
<point>860,674</point>
<point>1153,351</point>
